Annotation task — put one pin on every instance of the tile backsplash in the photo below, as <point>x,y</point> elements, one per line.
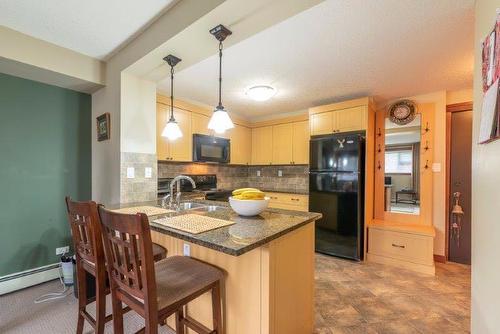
<point>141,187</point>
<point>293,179</point>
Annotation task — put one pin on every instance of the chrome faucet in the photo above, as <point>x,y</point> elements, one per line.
<point>176,180</point>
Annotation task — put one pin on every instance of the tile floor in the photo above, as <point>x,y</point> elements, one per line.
<point>370,298</point>
<point>350,298</point>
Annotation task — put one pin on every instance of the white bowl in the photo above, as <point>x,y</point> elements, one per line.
<point>248,207</point>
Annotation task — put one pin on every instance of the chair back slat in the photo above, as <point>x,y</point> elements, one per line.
<point>85,230</point>
<point>129,254</point>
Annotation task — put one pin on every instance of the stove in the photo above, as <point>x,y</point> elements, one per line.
<point>205,183</point>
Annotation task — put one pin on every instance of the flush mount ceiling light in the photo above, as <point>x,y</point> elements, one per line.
<point>172,130</point>
<point>220,121</point>
<point>261,93</point>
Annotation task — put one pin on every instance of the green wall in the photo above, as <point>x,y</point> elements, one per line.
<point>45,154</point>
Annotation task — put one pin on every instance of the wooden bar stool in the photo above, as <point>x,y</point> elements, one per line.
<point>87,241</point>
<point>154,291</point>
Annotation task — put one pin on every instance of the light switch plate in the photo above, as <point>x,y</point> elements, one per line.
<point>148,172</point>
<point>436,167</point>
<point>130,172</point>
<point>186,250</point>
<point>258,173</point>
<point>280,173</point>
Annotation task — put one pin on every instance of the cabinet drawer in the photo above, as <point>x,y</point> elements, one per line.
<point>294,200</point>
<point>399,245</point>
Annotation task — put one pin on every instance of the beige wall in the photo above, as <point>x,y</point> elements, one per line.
<point>485,199</point>
<point>31,58</point>
<point>441,99</point>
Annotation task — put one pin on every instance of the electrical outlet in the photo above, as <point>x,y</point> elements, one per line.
<point>187,250</point>
<point>62,250</point>
<point>130,172</point>
<point>280,173</point>
<point>148,172</point>
<point>258,173</point>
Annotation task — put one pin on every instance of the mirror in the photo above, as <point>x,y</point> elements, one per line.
<point>402,166</point>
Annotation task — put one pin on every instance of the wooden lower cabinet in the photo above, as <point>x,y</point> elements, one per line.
<point>288,201</point>
<point>410,246</point>
<point>268,290</point>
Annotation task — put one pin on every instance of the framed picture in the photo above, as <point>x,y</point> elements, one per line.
<point>103,127</point>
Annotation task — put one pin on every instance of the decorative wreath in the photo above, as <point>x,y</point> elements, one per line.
<point>402,112</point>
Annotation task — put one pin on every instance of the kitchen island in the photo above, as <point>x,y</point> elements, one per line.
<point>268,262</point>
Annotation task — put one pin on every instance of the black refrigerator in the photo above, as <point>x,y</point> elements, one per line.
<point>336,189</point>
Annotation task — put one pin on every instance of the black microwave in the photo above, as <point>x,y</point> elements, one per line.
<point>211,149</point>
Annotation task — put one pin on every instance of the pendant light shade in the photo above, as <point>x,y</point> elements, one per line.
<point>172,130</point>
<point>220,120</point>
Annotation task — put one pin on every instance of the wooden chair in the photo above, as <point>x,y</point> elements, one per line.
<point>154,291</point>
<point>87,241</point>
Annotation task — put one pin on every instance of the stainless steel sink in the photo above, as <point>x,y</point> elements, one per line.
<point>208,208</point>
<point>190,206</point>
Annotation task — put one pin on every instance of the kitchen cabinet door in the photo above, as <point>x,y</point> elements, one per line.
<point>262,145</point>
<point>282,144</point>
<point>162,143</point>
<point>199,124</point>
<point>350,119</point>
<point>322,124</point>
<point>300,142</point>
<point>181,148</point>
<point>241,145</point>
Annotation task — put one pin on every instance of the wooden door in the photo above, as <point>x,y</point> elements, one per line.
<point>162,143</point>
<point>350,119</point>
<point>181,148</point>
<point>241,145</point>
<point>322,124</point>
<point>262,145</point>
<point>282,144</point>
<point>199,124</point>
<point>459,244</point>
<point>300,142</point>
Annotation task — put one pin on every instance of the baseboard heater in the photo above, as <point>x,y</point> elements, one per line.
<point>27,278</point>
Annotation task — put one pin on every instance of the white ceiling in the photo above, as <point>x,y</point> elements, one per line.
<point>96,28</point>
<point>341,49</point>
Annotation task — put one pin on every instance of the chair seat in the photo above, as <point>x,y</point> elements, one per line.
<point>178,277</point>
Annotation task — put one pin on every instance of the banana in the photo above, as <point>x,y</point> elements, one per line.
<point>248,194</point>
<point>241,190</point>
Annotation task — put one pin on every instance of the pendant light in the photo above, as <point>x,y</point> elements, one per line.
<point>220,121</point>
<point>172,130</point>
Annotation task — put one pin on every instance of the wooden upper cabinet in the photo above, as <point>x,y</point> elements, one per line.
<point>199,124</point>
<point>342,120</point>
<point>262,145</point>
<point>241,145</point>
<point>181,148</point>
<point>162,143</point>
<point>322,124</point>
<point>351,119</point>
<point>300,142</point>
<point>282,144</point>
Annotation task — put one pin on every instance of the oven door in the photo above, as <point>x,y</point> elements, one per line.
<point>210,149</point>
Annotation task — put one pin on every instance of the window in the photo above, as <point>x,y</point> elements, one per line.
<point>399,161</point>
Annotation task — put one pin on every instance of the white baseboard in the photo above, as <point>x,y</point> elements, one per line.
<point>28,278</point>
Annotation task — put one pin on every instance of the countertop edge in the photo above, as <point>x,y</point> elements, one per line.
<point>229,251</point>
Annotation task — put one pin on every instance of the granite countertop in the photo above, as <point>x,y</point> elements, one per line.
<point>246,234</point>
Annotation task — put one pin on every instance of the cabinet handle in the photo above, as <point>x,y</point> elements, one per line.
<point>295,199</point>
<point>398,246</point>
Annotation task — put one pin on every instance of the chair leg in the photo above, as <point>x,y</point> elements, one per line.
<point>151,322</point>
<point>82,298</point>
<point>117,314</point>
<point>100,300</point>
<point>216,308</point>
<point>179,323</point>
